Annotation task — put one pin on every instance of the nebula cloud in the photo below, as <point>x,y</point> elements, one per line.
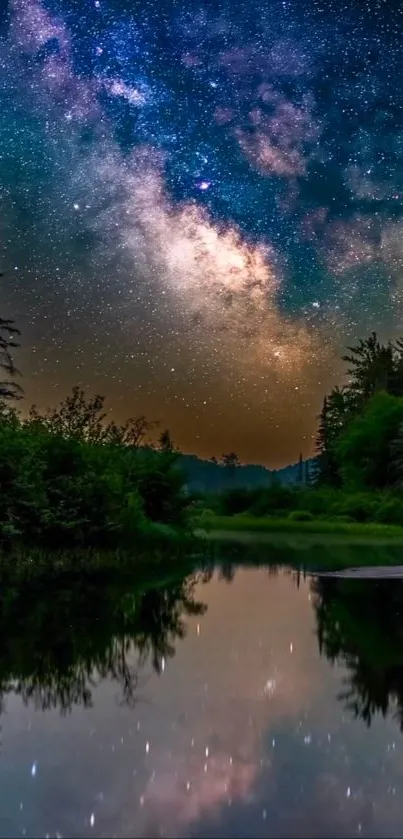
<point>280,143</point>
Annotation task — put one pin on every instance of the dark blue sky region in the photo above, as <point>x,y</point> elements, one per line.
<point>200,205</point>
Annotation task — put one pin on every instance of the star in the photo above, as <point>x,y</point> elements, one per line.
<point>233,186</point>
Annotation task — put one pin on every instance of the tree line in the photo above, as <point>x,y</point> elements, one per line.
<point>69,473</point>
<point>360,435</point>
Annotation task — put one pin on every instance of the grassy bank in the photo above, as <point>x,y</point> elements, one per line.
<point>340,548</point>
<point>250,524</point>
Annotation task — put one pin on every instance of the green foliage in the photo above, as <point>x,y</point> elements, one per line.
<point>364,449</point>
<point>362,415</point>
<point>235,501</point>
<point>300,515</point>
<point>390,510</point>
<point>271,500</point>
<point>206,514</point>
<point>161,490</point>
<point>286,526</point>
<point>302,504</point>
<point>66,477</point>
<point>338,409</point>
<point>359,506</point>
<point>375,367</point>
<point>318,500</point>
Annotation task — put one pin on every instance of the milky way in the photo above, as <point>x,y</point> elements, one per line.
<point>200,205</point>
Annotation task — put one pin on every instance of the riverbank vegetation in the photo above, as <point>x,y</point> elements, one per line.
<point>357,475</point>
<point>70,478</point>
<point>289,526</point>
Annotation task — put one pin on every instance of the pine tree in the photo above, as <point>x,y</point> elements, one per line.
<point>300,470</point>
<point>165,442</point>
<point>326,466</point>
<point>372,367</point>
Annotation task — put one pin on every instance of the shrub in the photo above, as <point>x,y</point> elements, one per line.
<point>300,515</point>
<point>317,501</point>
<point>359,506</point>
<point>272,500</point>
<point>234,501</point>
<point>62,488</point>
<point>162,494</point>
<point>390,511</point>
<point>206,514</point>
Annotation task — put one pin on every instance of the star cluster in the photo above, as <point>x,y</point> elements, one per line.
<point>200,205</point>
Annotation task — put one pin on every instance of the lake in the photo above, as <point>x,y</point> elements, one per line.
<point>235,702</point>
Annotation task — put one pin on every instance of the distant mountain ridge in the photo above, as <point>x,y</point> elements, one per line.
<point>205,475</point>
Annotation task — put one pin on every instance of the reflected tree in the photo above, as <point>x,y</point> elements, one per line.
<point>359,626</point>
<point>58,642</point>
<point>227,571</point>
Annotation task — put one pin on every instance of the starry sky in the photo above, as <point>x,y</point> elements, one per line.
<point>200,205</point>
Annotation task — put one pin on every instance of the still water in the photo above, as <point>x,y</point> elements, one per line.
<point>244,702</point>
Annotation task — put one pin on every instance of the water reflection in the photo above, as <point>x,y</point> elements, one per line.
<point>227,703</point>
<point>359,624</point>
<point>58,642</point>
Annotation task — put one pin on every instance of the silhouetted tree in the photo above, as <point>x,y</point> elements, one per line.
<point>9,389</point>
<point>300,476</point>
<point>165,443</point>
<point>83,418</point>
<point>231,462</point>
<point>338,409</point>
<point>133,433</point>
<point>372,367</point>
<point>76,417</point>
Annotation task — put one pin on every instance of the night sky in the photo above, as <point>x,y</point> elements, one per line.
<point>200,205</point>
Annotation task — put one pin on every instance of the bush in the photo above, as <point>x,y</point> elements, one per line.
<point>234,501</point>
<point>341,519</point>
<point>360,507</point>
<point>272,500</point>
<point>390,511</point>
<point>317,501</point>
<point>60,487</point>
<point>300,515</point>
<point>162,494</point>
<point>206,514</point>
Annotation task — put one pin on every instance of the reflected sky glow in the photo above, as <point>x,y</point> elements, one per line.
<point>242,733</point>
